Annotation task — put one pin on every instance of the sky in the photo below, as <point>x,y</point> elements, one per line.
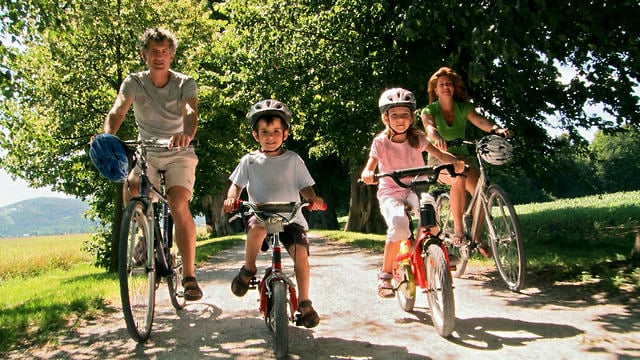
<point>17,190</point>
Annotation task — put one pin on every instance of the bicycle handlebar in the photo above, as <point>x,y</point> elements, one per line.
<point>157,144</point>
<point>271,209</point>
<point>431,174</point>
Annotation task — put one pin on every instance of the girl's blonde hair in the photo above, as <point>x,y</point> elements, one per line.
<point>460,91</point>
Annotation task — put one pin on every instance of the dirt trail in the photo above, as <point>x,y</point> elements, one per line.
<point>491,322</point>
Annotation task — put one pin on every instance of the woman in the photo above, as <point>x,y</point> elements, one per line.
<point>445,119</point>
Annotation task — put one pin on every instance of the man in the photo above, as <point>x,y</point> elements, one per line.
<point>165,105</point>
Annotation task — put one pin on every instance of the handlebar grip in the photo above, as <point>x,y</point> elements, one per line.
<point>323,208</point>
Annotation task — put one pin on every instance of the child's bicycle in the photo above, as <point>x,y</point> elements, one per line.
<point>489,207</point>
<point>278,299</point>
<point>423,259</point>
<point>140,266</point>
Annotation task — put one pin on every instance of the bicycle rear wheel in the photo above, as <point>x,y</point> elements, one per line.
<point>136,271</point>
<point>505,237</point>
<point>405,286</point>
<point>445,221</point>
<point>279,323</point>
<point>439,291</point>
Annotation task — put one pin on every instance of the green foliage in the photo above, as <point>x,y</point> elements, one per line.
<point>328,60</point>
<point>617,160</point>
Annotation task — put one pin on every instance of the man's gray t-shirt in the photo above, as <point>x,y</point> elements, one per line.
<point>158,111</point>
<point>273,179</point>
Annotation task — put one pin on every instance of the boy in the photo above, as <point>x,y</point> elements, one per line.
<point>274,174</point>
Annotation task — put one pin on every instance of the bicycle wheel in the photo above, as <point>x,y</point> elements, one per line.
<point>405,286</point>
<point>505,237</point>
<point>136,271</point>
<point>174,282</point>
<point>279,323</point>
<point>445,221</point>
<point>439,291</point>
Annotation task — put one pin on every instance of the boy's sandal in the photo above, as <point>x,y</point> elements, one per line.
<point>192,291</point>
<point>385,288</point>
<point>239,287</point>
<point>310,318</point>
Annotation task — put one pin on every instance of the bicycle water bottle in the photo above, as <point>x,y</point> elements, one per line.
<point>427,210</point>
<point>144,185</point>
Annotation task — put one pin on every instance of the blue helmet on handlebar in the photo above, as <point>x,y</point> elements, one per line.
<point>109,156</point>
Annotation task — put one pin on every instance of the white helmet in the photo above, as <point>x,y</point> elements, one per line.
<point>396,97</point>
<point>495,150</point>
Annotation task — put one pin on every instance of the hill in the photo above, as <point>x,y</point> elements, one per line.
<point>44,216</point>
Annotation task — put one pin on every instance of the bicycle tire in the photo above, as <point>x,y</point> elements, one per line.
<point>505,237</point>
<point>440,291</point>
<point>279,319</point>
<point>405,286</point>
<point>445,221</point>
<point>136,271</point>
<point>174,282</point>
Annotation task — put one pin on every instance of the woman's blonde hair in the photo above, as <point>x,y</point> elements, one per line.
<point>460,91</point>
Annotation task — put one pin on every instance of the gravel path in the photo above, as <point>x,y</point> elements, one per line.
<point>559,322</point>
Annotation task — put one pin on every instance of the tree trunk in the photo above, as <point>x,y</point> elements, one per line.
<point>635,251</point>
<point>115,227</point>
<point>216,220</point>
<point>364,211</point>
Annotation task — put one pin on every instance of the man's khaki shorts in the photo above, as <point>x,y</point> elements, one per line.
<point>179,168</point>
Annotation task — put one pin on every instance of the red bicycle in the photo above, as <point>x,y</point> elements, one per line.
<point>278,298</point>
<point>423,259</point>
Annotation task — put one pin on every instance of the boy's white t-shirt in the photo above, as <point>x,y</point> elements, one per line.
<point>273,179</point>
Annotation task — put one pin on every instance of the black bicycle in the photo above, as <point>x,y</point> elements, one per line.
<point>146,253</point>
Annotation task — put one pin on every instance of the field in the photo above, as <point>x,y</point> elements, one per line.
<point>47,284</point>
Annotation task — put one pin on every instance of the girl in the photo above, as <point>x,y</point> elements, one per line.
<point>399,146</point>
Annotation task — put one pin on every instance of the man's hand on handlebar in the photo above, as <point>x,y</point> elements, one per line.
<point>317,203</point>
<point>229,205</point>
<point>504,132</point>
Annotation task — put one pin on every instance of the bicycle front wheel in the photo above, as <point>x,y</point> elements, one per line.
<point>405,286</point>
<point>505,237</point>
<point>439,291</point>
<point>279,319</point>
<point>136,271</point>
<point>459,254</point>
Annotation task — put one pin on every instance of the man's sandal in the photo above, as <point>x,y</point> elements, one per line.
<point>238,286</point>
<point>385,288</point>
<point>192,291</point>
<point>309,318</point>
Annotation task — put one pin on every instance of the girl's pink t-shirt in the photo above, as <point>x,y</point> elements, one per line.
<point>393,156</point>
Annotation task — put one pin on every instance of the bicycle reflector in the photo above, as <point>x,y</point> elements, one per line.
<point>109,157</point>
<point>495,150</point>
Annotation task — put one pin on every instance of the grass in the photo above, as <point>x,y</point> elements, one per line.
<point>47,286</point>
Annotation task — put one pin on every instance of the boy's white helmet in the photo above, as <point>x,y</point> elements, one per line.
<point>495,150</point>
<point>269,107</point>
<point>396,97</point>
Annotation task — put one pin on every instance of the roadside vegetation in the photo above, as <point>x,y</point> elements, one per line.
<point>47,285</point>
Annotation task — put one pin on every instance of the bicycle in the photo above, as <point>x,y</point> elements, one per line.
<point>142,267</point>
<point>276,288</point>
<point>491,208</point>
<point>423,259</point>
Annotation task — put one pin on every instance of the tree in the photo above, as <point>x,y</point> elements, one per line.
<point>65,72</point>
<point>617,160</point>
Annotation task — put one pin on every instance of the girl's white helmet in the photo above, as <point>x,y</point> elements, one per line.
<point>396,97</point>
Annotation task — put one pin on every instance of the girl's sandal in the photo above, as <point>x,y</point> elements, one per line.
<point>385,288</point>
<point>309,318</point>
<point>192,291</point>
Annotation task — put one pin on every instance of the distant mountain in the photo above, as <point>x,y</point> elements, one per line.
<point>44,216</point>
